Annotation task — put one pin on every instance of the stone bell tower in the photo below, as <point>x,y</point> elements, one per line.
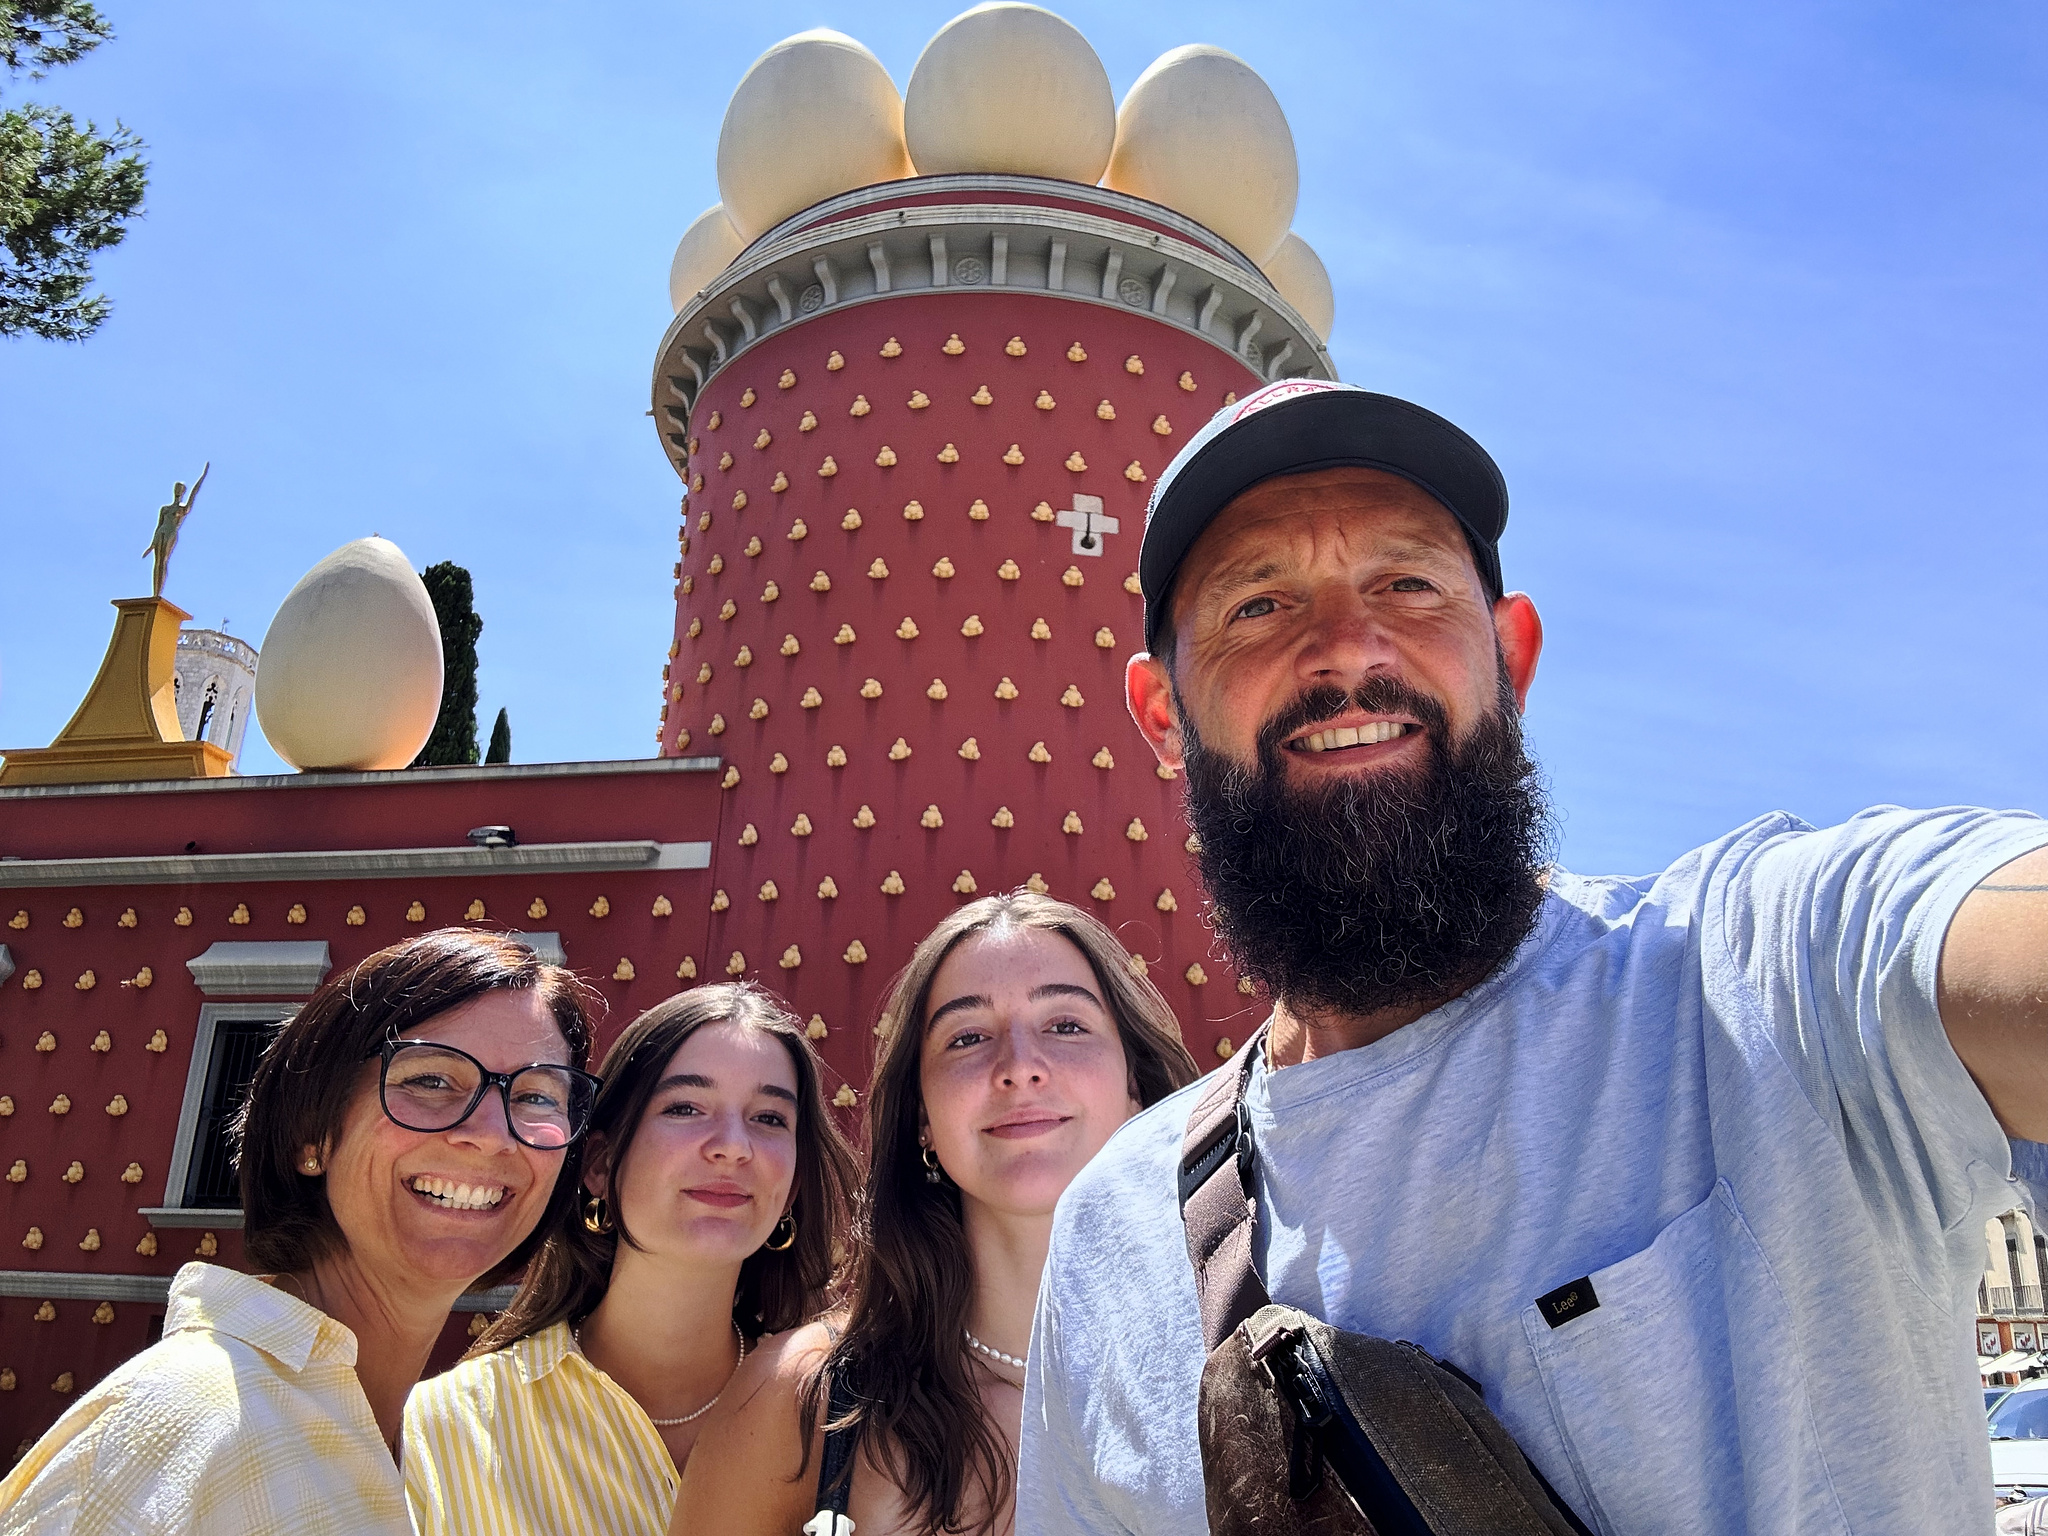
<point>918,423</point>
<point>215,687</point>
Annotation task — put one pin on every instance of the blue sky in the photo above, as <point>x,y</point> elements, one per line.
<point>1746,299</point>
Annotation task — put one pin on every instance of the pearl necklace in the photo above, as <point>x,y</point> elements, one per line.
<point>993,1354</point>
<point>576,1333</point>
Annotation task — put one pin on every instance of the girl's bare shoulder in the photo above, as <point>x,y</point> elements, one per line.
<point>746,1472</point>
<point>782,1365</point>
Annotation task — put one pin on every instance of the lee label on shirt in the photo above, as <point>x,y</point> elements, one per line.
<point>1573,1299</point>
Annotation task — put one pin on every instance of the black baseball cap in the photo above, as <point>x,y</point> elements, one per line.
<point>1309,424</point>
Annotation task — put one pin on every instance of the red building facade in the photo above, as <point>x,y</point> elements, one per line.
<point>150,933</point>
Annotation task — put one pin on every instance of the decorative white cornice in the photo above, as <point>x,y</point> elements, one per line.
<point>492,771</point>
<point>220,1219</point>
<point>155,1290</point>
<point>863,247</point>
<point>66,1285</point>
<point>357,863</point>
<point>967,185</point>
<point>267,968</point>
<point>213,642</point>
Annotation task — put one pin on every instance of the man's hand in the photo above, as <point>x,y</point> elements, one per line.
<point>1994,992</point>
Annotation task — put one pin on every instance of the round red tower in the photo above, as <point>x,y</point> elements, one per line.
<point>918,424</point>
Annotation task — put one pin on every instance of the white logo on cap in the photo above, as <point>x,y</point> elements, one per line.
<point>1273,394</point>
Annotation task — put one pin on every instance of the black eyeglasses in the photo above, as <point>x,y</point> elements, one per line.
<point>426,1086</point>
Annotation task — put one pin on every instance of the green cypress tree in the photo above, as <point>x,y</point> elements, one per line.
<point>66,192</point>
<point>454,598</point>
<point>500,749</point>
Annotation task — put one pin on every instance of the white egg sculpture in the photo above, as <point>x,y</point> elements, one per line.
<point>1010,87</point>
<point>706,249</point>
<point>814,116</point>
<point>1201,132</point>
<point>349,676</point>
<point>1298,272</point>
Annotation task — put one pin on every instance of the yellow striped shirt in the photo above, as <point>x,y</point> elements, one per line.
<point>534,1438</point>
<point>246,1420</point>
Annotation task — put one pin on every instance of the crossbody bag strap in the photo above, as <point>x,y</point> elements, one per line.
<point>835,1487</point>
<point>1217,1163</point>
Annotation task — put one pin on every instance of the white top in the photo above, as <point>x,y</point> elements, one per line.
<point>1722,1095</point>
<point>246,1420</point>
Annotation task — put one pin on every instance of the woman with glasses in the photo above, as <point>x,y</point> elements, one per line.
<point>715,1187</point>
<point>403,1139</point>
<point>1017,1039</point>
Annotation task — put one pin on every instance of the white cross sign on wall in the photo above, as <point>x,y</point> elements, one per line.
<point>1089,523</point>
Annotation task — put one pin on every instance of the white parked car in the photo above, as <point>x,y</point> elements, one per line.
<point>2019,1439</point>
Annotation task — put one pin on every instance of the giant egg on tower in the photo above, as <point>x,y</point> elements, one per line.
<point>349,675</point>
<point>1200,132</point>
<point>1010,88</point>
<point>1303,281</point>
<point>706,249</point>
<point>814,115</point>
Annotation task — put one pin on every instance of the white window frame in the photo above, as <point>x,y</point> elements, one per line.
<point>174,1212</point>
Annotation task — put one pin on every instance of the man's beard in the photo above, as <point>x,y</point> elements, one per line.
<point>1386,890</point>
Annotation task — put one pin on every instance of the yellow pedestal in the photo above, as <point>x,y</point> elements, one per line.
<point>127,727</point>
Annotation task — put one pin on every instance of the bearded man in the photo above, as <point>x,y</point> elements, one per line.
<point>1750,1114</point>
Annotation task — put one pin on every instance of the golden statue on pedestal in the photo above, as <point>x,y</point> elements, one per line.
<point>169,519</point>
<point>127,729</point>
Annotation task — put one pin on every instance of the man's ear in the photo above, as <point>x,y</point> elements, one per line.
<point>1520,631</point>
<point>1149,692</point>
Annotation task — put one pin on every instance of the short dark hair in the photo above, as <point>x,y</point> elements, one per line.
<point>777,1289</point>
<point>306,1079</point>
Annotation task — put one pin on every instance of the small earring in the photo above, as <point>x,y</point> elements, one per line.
<point>933,1173</point>
<point>597,1216</point>
<point>785,1229</point>
<point>311,1165</point>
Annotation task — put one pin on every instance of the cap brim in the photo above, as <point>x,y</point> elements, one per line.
<point>1327,429</point>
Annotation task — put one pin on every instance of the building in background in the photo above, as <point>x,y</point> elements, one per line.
<point>918,425</point>
<point>215,687</point>
<point>929,355</point>
<point>2012,1313</point>
<point>155,929</point>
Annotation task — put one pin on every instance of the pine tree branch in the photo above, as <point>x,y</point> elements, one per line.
<point>65,193</point>
<point>37,36</point>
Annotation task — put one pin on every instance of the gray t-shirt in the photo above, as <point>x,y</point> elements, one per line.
<point>1722,1093</point>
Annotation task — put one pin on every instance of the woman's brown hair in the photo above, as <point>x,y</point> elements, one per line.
<point>917,1407</point>
<point>309,1072</point>
<point>777,1290</point>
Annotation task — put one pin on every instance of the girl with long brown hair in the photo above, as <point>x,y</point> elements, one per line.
<point>714,1195</point>
<point>1017,1039</point>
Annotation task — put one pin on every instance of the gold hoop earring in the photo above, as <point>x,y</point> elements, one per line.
<point>597,1216</point>
<point>784,1229</point>
<point>933,1173</point>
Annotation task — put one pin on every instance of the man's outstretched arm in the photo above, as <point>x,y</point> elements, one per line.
<point>1994,992</point>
